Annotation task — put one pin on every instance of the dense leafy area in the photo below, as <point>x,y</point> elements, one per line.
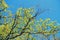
<point>23,24</point>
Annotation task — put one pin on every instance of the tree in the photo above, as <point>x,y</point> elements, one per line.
<point>23,24</point>
<point>3,6</point>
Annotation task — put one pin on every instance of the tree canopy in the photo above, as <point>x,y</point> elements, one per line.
<point>23,25</point>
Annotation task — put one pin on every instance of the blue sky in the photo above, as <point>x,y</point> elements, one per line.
<point>52,5</point>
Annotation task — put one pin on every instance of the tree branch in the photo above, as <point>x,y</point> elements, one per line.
<point>13,26</point>
<point>27,24</point>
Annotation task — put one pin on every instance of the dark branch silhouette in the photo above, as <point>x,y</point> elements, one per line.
<point>28,23</point>
<point>13,26</point>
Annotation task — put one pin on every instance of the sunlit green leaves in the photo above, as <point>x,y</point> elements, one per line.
<point>4,30</point>
<point>26,24</point>
<point>3,5</point>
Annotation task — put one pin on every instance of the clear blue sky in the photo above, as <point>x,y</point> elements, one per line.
<point>52,5</point>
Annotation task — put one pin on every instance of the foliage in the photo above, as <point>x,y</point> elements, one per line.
<point>23,24</point>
